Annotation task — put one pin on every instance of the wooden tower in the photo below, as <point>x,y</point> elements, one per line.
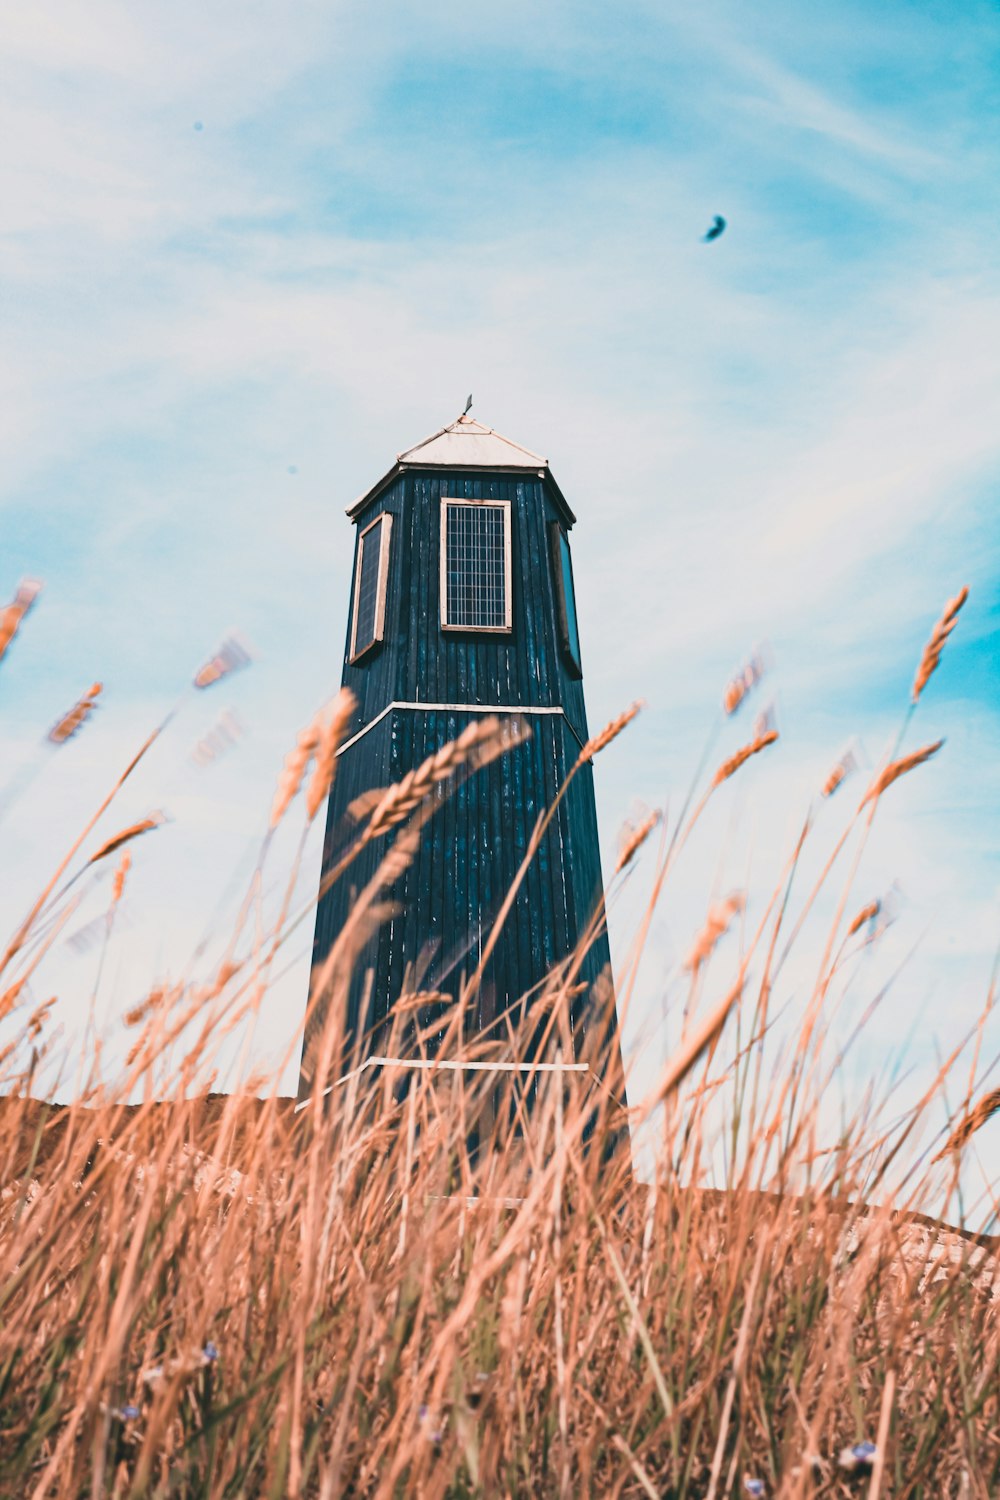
<point>462,604</point>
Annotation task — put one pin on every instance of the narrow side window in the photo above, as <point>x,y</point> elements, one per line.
<point>370,579</point>
<point>562,567</point>
<point>475,564</point>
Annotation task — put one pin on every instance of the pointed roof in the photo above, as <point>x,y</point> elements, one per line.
<point>466,444</point>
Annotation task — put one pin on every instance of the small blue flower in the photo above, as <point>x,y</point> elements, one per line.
<point>210,1352</point>
<point>860,1456</point>
<point>755,1487</point>
<point>129,1413</point>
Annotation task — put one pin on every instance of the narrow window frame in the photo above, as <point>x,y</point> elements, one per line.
<point>383,519</point>
<point>559,537</point>
<point>507,627</point>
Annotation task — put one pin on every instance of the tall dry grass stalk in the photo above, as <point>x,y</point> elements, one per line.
<point>445,1278</point>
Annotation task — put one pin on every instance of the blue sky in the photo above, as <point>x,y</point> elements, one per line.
<point>215,337</point>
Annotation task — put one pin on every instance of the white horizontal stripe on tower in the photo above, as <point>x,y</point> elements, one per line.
<point>461,708</point>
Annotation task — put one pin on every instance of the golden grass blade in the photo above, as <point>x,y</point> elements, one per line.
<point>744,681</point>
<point>70,722</point>
<point>977,1117</point>
<point>133,831</point>
<point>896,769</point>
<point>12,615</point>
<point>932,651</point>
<point>230,657</point>
<point>13,947</point>
<point>719,918</point>
<point>634,841</point>
<point>731,766</point>
<point>680,1065</point>
<point>330,736</point>
<point>483,738</point>
<point>611,731</point>
<point>365,803</point>
<point>118,885</point>
<point>294,769</point>
<point>866,914</point>
<point>845,767</point>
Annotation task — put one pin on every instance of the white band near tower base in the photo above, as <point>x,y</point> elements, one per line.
<point>461,708</point>
<point>437,1064</point>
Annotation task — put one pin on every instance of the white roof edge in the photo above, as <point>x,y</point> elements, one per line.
<point>470,426</point>
<point>465,444</point>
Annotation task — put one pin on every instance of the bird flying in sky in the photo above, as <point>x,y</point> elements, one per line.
<point>718,227</point>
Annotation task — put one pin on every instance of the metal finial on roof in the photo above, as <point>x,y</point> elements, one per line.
<point>468,406</point>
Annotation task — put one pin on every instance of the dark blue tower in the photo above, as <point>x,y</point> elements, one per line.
<point>463,605</point>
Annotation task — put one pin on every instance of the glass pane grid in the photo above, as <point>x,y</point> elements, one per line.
<point>476,567</point>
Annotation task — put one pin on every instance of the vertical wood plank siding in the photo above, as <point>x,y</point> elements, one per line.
<point>471,849</point>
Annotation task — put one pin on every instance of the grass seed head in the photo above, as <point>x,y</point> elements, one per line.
<point>230,657</point>
<point>743,682</point>
<point>634,839</point>
<point>133,831</point>
<point>118,884</point>
<point>295,767</point>
<point>866,914</point>
<point>330,736</point>
<point>719,918</point>
<point>13,614</point>
<point>898,768</point>
<point>846,766</point>
<point>611,731</point>
<point>932,651</point>
<point>70,722</point>
<point>974,1120</point>
<point>731,766</point>
<point>481,741</point>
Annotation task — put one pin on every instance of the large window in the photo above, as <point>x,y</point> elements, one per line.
<point>370,586</point>
<point>562,565</point>
<point>475,564</point>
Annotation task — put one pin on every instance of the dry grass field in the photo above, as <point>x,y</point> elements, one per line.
<point>223,1296</point>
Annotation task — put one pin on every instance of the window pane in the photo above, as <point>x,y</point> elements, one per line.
<point>475,566</point>
<point>569,599</point>
<point>368,566</point>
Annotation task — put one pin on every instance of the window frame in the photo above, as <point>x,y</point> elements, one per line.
<point>384,518</point>
<point>557,536</point>
<point>507,626</point>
